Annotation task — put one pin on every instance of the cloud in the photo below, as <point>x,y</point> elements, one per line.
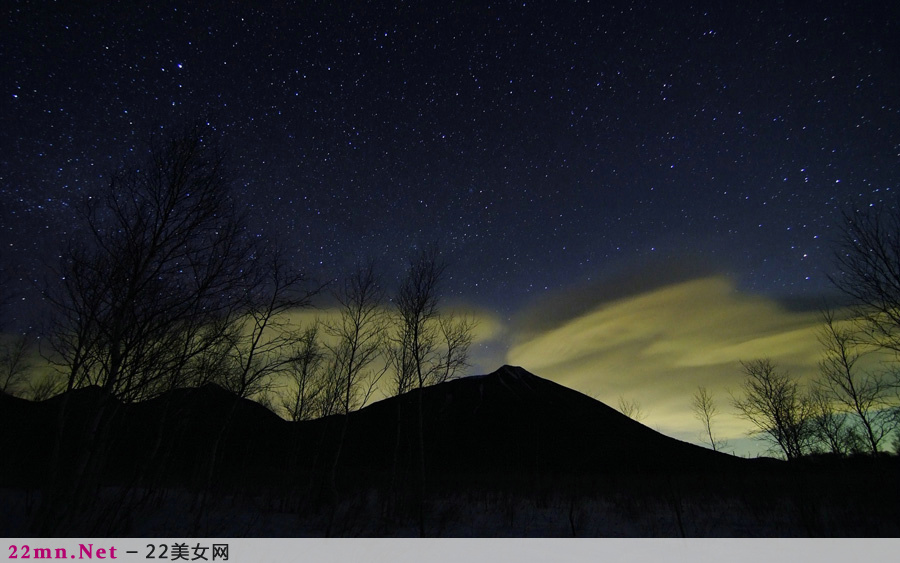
<point>656,346</point>
<point>630,280</point>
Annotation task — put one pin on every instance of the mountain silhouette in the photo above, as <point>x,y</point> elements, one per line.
<point>506,424</point>
<point>514,421</point>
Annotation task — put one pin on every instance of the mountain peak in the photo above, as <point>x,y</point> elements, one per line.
<point>513,371</point>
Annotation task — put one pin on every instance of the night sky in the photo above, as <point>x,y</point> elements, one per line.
<point>570,159</point>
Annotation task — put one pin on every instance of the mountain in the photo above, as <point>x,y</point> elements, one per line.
<point>509,423</point>
<point>507,453</point>
<point>514,421</point>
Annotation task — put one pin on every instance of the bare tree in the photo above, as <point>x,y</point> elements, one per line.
<point>331,395</point>
<point>357,336</point>
<point>456,339</point>
<point>438,349</point>
<point>306,375</point>
<point>400,359</point>
<point>632,409</point>
<point>42,387</point>
<point>158,265</point>
<point>257,345</point>
<point>773,403</point>
<point>357,339</point>
<point>830,427</point>
<point>160,257</point>
<point>266,398</point>
<point>895,414</point>
<point>14,348</point>
<point>868,256</point>
<point>417,310</point>
<point>705,410</point>
<point>428,347</point>
<point>865,395</point>
<point>261,339</point>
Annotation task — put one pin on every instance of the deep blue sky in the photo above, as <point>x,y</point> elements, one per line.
<point>541,145</point>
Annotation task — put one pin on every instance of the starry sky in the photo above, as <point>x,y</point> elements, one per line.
<point>588,168</point>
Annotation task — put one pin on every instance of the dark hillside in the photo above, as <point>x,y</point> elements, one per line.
<point>515,452</point>
<point>506,423</point>
<point>511,421</point>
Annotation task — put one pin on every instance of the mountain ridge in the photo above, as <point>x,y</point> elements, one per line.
<point>507,422</point>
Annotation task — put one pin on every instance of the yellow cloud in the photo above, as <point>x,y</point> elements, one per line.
<point>657,347</point>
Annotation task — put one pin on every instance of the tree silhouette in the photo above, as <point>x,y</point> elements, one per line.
<point>160,259</point>
<point>868,259</point>
<point>14,348</point>
<point>257,345</point>
<point>42,387</point>
<point>705,410</point>
<point>862,394</point>
<point>357,340</point>
<point>261,339</point>
<point>357,336</point>
<point>303,399</point>
<point>154,276</point>
<point>773,403</point>
<point>632,409</point>
<point>832,429</point>
<point>427,348</point>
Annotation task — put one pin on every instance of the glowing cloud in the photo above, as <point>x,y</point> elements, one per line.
<point>658,346</point>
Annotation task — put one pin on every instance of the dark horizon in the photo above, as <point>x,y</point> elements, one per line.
<point>505,454</point>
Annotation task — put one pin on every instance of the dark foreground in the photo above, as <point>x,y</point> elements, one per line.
<point>507,454</point>
<point>809,501</point>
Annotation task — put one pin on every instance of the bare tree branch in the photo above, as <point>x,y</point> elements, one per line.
<point>162,257</point>
<point>358,334</point>
<point>862,394</point>
<point>868,257</point>
<point>632,409</point>
<point>832,428</point>
<point>262,338</point>
<point>705,410</point>
<point>773,404</point>
<point>427,347</point>
<point>306,373</point>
